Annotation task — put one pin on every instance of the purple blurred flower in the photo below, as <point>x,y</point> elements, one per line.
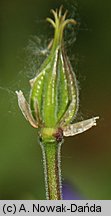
<point>70,192</point>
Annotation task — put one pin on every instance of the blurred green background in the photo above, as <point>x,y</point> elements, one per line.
<point>86,158</point>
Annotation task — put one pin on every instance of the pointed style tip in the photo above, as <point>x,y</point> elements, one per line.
<point>59,23</point>
<point>60,10</point>
<point>51,21</point>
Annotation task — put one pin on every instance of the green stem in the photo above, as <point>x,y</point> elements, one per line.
<point>52,170</point>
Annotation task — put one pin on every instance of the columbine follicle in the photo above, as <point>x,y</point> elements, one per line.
<point>53,105</point>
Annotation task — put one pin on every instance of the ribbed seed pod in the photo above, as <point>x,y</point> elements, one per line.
<point>53,101</point>
<point>54,91</point>
<point>53,104</point>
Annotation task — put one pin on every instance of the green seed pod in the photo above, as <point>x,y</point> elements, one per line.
<point>53,101</point>
<point>54,90</point>
<point>53,104</point>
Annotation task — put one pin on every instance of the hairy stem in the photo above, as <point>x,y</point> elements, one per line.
<point>52,170</point>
